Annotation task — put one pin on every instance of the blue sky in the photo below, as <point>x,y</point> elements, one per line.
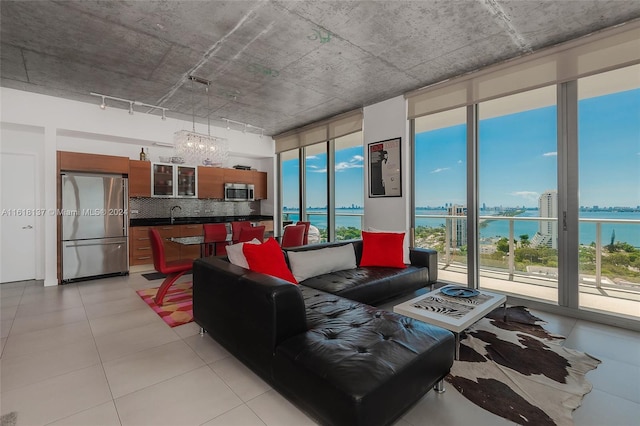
<point>349,179</point>
<point>518,160</point>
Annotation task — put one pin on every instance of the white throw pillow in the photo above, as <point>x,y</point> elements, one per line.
<point>307,264</point>
<point>235,254</point>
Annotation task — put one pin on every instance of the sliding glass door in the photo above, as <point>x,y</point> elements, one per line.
<point>609,183</point>
<point>517,177</point>
<point>440,217</point>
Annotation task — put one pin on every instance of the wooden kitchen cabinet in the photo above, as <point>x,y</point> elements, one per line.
<point>140,252</point>
<point>171,249</point>
<point>268,225</point>
<point>82,162</point>
<point>190,252</point>
<point>139,178</point>
<point>237,176</point>
<point>260,185</point>
<point>211,182</point>
<point>140,246</point>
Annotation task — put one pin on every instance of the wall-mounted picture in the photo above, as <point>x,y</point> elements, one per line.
<point>385,169</point>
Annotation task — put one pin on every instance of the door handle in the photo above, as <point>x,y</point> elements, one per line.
<point>27,227</point>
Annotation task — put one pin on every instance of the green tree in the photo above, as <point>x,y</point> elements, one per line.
<point>524,240</point>
<point>503,245</point>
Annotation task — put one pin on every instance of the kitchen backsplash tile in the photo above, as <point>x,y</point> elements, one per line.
<point>144,208</point>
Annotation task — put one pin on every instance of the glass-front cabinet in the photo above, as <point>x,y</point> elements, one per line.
<point>173,180</point>
<point>186,179</point>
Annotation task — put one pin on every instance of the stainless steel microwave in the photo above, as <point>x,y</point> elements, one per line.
<point>239,192</point>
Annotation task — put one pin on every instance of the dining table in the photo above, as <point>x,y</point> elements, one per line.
<point>199,239</point>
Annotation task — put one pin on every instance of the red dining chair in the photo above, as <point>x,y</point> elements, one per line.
<point>305,241</point>
<point>235,229</point>
<point>173,270</point>
<point>214,233</point>
<point>293,236</point>
<point>249,233</point>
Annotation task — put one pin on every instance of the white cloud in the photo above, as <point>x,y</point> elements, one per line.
<point>357,158</point>
<point>441,169</point>
<point>459,161</point>
<point>311,166</point>
<point>350,165</point>
<point>550,154</point>
<point>311,157</point>
<point>527,195</point>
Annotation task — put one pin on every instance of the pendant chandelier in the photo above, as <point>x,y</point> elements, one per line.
<point>197,148</point>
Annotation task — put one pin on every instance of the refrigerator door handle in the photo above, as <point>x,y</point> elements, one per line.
<point>125,205</point>
<point>93,244</point>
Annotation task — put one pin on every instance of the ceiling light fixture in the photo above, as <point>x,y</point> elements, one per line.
<point>245,126</point>
<point>197,148</point>
<point>131,103</point>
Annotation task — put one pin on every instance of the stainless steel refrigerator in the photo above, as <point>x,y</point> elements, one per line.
<point>94,226</point>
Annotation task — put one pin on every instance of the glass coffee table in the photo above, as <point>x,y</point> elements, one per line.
<point>455,313</point>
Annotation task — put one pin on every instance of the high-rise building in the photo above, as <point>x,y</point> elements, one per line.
<point>458,230</point>
<point>547,234</point>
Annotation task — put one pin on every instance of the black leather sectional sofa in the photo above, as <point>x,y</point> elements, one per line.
<point>340,360</point>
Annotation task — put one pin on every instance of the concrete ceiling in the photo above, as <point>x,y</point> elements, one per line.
<point>275,64</point>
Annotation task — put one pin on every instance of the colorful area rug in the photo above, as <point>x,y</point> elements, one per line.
<point>519,371</point>
<point>177,307</point>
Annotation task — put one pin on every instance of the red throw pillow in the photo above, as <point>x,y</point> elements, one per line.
<point>382,249</point>
<point>267,258</point>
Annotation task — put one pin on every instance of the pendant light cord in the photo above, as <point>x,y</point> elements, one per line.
<point>193,107</point>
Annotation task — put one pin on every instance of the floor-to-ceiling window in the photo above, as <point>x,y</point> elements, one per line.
<point>349,184</point>
<point>517,187</point>
<point>440,187</point>
<point>290,185</point>
<point>330,185</point>
<point>316,188</point>
<point>554,177</point>
<point>609,191</point>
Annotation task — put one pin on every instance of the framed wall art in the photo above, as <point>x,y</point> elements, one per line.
<point>385,168</point>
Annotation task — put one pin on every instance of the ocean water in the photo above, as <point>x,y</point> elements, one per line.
<point>629,233</point>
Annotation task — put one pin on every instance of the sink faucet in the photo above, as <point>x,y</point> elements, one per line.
<point>171,212</point>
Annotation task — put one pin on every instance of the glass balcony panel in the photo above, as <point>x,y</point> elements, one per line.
<point>609,190</point>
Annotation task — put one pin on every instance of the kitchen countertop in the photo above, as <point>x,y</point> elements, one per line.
<point>156,221</point>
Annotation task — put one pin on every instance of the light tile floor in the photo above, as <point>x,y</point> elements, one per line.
<point>93,353</point>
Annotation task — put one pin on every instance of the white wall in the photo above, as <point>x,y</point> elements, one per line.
<point>382,121</point>
<point>387,120</point>
<point>65,125</point>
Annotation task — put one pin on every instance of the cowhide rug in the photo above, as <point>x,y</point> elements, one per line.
<point>519,371</point>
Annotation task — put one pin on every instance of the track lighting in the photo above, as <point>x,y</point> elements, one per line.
<point>131,103</point>
<point>244,125</point>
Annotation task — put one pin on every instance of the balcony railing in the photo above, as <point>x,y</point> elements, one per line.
<point>450,247</point>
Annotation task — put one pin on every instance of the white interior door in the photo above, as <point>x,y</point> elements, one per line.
<point>18,216</point>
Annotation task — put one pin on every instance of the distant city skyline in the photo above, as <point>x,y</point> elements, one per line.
<point>517,160</point>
